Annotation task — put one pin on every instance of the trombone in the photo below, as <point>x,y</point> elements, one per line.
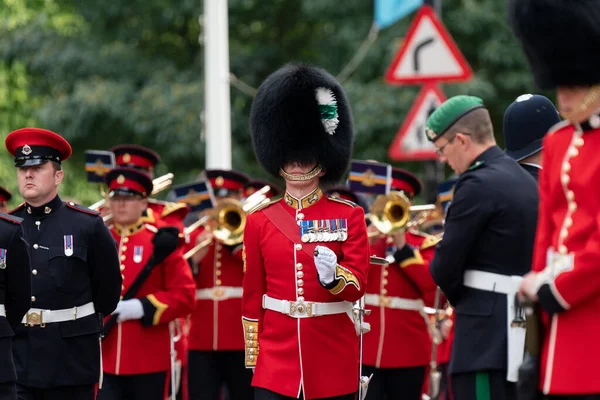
<point>159,184</point>
<point>227,220</point>
<point>393,212</point>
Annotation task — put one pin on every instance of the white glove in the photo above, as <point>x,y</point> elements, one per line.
<point>325,261</point>
<point>129,309</point>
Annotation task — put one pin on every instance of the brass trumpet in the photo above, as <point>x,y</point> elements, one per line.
<point>393,212</point>
<point>227,220</point>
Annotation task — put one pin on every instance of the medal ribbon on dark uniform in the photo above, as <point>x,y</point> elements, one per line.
<point>68,239</point>
<point>2,258</point>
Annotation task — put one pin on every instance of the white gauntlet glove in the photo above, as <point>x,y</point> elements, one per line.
<point>129,309</point>
<point>325,261</point>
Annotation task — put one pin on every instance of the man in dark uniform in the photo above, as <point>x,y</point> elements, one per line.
<point>526,122</point>
<point>15,293</point>
<point>75,276</point>
<point>486,248</point>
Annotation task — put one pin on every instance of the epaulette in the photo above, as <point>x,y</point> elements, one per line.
<point>11,218</point>
<point>171,207</point>
<point>558,126</point>
<point>262,206</point>
<point>17,208</point>
<point>343,201</point>
<point>151,228</point>
<point>431,241</point>
<point>82,209</point>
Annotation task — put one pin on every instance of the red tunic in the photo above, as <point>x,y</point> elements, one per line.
<point>215,323</point>
<point>139,347</point>
<point>400,338</point>
<point>316,354</point>
<point>569,226</point>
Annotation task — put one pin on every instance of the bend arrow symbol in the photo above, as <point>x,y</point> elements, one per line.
<point>416,51</point>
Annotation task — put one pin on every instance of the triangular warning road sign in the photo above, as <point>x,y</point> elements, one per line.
<point>411,143</point>
<point>428,54</point>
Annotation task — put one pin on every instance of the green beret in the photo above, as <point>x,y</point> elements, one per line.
<point>449,113</point>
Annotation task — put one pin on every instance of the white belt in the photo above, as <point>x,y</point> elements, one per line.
<point>305,309</point>
<point>37,316</point>
<point>2,311</point>
<point>394,302</point>
<point>219,293</point>
<point>508,285</point>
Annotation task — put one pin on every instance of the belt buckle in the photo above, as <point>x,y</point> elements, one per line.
<point>301,308</point>
<point>218,293</point>
<point>35,318</point>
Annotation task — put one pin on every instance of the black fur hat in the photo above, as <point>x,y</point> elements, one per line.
<point>301,113</point>
<point>561,39</point>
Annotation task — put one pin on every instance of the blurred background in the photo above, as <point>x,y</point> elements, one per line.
<point>107,72</point>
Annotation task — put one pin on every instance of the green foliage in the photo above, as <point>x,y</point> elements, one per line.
<point>108,72</point>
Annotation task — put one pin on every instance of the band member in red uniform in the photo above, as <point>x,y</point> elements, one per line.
<point>561,41</point>
<point>136,352</point>
<point>159,213</point>
<point>216,347</point>
<point>397,350</point>
<point>306,255</point>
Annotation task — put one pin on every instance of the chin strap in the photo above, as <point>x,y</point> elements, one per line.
<point>304,177</point>
<point>588,105</point>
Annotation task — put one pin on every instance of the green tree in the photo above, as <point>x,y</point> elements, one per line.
<point>110,72</point>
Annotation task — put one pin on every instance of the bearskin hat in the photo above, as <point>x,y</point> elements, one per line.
<point>301,114</point>
<point>560,39</point>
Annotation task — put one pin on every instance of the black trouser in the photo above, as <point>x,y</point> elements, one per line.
<point>134,387</point>
<point>78,392</point>
<point>575,397</point>
<point>395,383</point>
<point>8,391</point>
<point>491,384</point>
<point>264,394</point>
<point>208,371</point>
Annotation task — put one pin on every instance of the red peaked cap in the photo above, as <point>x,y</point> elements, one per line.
<point>402,180</point>
<point>226,179</point>
<point>257,184</point>
<point>129,181</point>
<point>5,195</point>
<point>35,146</point>
<point>135,156</point>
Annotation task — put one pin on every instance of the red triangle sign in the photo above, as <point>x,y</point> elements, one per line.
<point>428,54</point>
<point>411,143</point>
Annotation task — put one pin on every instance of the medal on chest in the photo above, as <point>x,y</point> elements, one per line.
<point>2,258</point>
<point>324,230</point>
<point>68,239</point>
<point>138,253</point>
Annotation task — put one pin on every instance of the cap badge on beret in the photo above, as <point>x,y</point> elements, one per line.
<point>126,157</point>
<point>328,109</point>
<point>26,150</point>
<point>524,97</point>
<point>430,133</point>
<point>121,179</point>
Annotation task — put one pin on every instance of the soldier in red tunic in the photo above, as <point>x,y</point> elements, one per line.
<point>216,347</point>
<point>561,41</point>
<point>397,350</point>
<point>136,352</point>
<point>306,255</point>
